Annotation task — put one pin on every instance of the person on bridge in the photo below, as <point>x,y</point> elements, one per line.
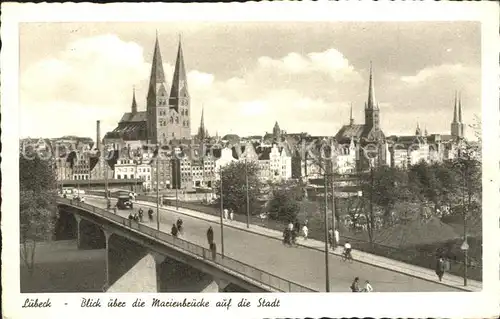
<point>174,230</point>
<point>225,213</point>
<point>178,224</point>
<point>150,214</point>
<point>331,238</point>
<point>141,213</point>
<point>337,238</point>
<point>231,214</point>
<point>131,216</point>
<point>368,287</point>
<point>347,250</point>
<point>305,231</point>
<point>440,268</point>
<point>355,285</point>
<point>210,236</point>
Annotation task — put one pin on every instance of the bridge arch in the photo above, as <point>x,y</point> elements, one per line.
<point>66,227</point>
<point>91,235</point>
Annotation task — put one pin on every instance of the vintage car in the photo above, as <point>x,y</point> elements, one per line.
<point>124,203</point>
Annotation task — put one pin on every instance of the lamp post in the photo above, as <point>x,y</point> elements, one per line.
<point>158,187</point>
<point>248,202</point>
<point>334,220</point>
<point>327,266</point>
<point>221,219</point>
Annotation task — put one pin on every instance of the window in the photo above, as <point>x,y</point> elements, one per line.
<point>186,112</point>
<point>177,120</point>
<point>125,176</point>
<point>171,119</point>
<point>119,176</point>
<point>173,135</point>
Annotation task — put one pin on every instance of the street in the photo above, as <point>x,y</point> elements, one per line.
<point>298,264</point>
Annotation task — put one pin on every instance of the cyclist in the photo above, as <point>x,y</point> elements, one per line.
<point>347,250</point>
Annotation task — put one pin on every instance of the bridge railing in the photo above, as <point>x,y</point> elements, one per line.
<point>225,262</point>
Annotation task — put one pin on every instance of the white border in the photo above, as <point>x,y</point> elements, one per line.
<point>470,305</point>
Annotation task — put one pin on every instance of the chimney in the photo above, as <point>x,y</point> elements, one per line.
<point>98,137</point>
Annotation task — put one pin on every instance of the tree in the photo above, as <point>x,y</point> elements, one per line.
<point>37,210</point>
<point>234,190</point>
<point>283,205</point>
<point>468,190</point>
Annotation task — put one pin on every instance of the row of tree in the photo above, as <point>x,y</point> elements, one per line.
<point>37,213</point>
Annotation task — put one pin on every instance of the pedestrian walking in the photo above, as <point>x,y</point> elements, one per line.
<point>296,225</point>
<point>174,231</point>
<point>150,214</point>
<point>368,287</point>
<point>337,238</point>
<point>440,268</point>
<point>290,226</point>
<point>210,236</point>
<point>331,238</point>
<point>355,285</point>
<point>231,214</point>
<point>305,231</point>
<point>225,213</point>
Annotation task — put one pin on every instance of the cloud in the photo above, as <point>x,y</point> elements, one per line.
<point>92,79</point>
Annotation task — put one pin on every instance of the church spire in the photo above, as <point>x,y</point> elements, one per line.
<point>134,102</point>
<point>371,91</point>
<point>179,81</point>
<point>418,131</point>
<point>455,109</point>
<point>351,119</point>
<point>460,108</point>
<point>157,78</point>
<point>202,122</point>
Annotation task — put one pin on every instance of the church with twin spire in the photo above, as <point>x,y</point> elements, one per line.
<point>168,108</point>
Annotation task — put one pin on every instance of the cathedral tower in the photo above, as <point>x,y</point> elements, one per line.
<point>179,102</point>
<point>156,104</point>
<point>372,111</point>
<point>457,126</point>
<point>134,103</point>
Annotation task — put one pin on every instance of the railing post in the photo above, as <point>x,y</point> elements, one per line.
<point>289,286</point>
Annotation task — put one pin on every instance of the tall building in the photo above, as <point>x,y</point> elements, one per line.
<point>202,135</point>
<point>457,126</point>
<point>369,133</point>
<point>167,115</point>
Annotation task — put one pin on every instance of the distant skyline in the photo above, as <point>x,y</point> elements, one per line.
<point>305,75</point>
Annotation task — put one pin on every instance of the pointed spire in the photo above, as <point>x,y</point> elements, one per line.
<point>134,102</point>
<point>371,90</point>
<point>459,108</point>
<point>202,122</point>
<point>455,109</point>
<point>179,82</point>
<point>157,75</point>
<point>418,132</point>
<point>351,119</point>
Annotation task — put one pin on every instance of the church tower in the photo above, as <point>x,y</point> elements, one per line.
<point>179,97</point>
<point>372,111</point>
<point>156,104</point>
<point>276,133</point>
<point>202,131</point>
<point>457,126</point>
<point>134,103</point>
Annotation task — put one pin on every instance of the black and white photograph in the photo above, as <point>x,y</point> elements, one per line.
<point>258,156</point>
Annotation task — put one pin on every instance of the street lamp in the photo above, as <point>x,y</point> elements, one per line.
<point>327,266</point>
<point>221,219</point>
<point>157,186</point>
<point>248,202</point>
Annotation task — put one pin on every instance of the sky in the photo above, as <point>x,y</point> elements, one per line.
<point>247,75</point>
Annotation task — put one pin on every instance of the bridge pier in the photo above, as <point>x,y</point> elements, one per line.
<point>107,235</point>
<point>89,235</point>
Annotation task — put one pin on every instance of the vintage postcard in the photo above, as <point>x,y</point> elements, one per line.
<point>250,160</point>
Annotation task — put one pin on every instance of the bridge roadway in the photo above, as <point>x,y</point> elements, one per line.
<point>301,265</point>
